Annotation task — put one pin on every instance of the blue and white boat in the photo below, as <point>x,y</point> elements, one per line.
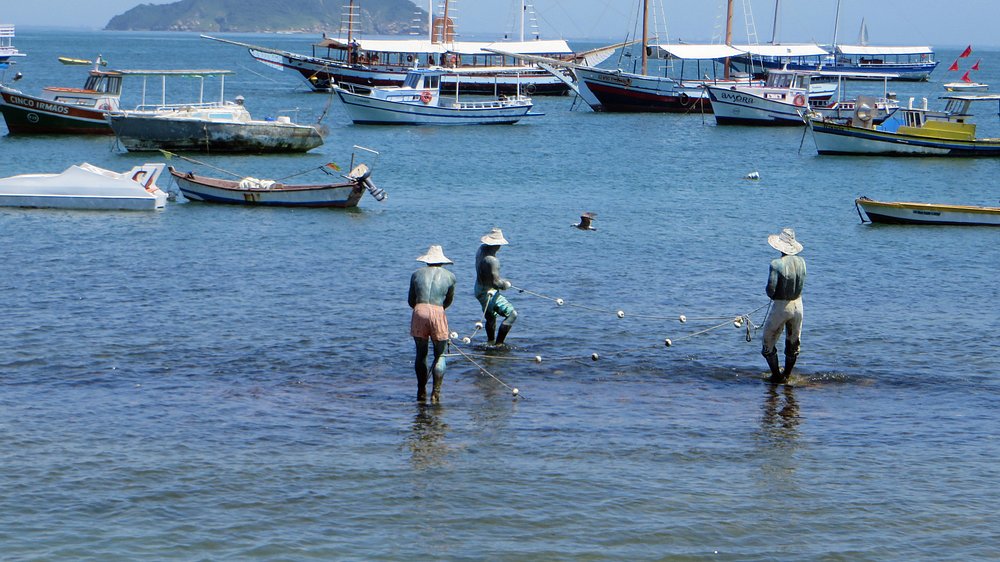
<point>419,102</point>
<point>7,48</point>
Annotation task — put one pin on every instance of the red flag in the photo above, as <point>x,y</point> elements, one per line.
<point>976,66</point>
<point>954,66</point>
<point>965,77</point>
<point>966,52</point>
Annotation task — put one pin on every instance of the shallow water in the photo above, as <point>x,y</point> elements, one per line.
<point>225,383</point>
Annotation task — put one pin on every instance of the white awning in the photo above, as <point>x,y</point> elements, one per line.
<point>698,52</point>
<point>387,45</point>
<point>541,47</point>
<point>882,50</point>
<point>786,50</point>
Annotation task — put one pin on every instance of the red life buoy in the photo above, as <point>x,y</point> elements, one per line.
<point>426,96</point>
<point>799,100</point>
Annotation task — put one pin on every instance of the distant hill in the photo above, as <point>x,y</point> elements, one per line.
<point>377,17</point>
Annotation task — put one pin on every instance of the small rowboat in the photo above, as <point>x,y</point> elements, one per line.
<point>252,191</point>
<point>926,213</point>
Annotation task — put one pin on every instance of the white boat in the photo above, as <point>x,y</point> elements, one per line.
<point>419,102</point>
<point>86,186</point>
<point>782,100</point>
<point>220,126</point>
<point>899,212</point>
<point>909,131</point>
<point>7,48</point>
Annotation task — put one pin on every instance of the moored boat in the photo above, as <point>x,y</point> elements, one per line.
<point>7,48</point>
<point>909,131</point>
<point>219,126</point>
<point>419,102</point>
<point>86,186</point>
<point>781,100</point>
<point>269,193</point>
<point>898,212</point>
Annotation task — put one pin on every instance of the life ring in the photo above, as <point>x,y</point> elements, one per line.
<point>684,99</point>
<point>409,58</point>
<point>529,88</point>
<point>799,100</point>
<point>426,96</point>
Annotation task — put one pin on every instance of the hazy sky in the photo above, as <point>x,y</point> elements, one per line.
<point>934,22</point>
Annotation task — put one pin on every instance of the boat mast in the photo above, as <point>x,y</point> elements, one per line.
<point>645,31</point>
<point>350,21</point>
<point>777,22</point>
<point>430,20</point>
<point>729,36</point>
<point>836,28</point>
<point>444,24</point>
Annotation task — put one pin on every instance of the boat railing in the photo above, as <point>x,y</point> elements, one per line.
<point>355,88</point>
<point>158,107</point>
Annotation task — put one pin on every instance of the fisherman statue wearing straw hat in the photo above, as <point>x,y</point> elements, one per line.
<point>432,289</point>
<point>488,287</point>
<point>784,287</point>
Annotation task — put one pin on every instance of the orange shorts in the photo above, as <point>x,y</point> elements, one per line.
<point>429,321</point>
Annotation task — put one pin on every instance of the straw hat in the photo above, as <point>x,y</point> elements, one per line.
<point>785,242</point>
<point>494,238</point>
<point>434,256</point>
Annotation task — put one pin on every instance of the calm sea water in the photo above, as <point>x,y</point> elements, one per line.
<point>226,383</point>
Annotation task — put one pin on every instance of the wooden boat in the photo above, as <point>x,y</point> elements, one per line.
<point>781,100</point>
<point>86,186</point>
<point>385,62</point>
<point>267,193</point>
<point>910,131</point>
<point>926,213</point>
<point>209,126</point>
<point>419,102</point>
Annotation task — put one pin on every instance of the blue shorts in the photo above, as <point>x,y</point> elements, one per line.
<point>497,306</point>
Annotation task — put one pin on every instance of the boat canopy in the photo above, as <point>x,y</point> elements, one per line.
<point>547,47</point>
<point>784,50</point>
<point>539,47</point>
<point>196,73</point>
<point>881,50</point>
<point>698,52</point>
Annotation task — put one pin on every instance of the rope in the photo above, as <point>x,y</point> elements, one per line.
<point>482,369</point>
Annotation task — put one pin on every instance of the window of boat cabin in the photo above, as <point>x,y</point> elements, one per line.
<point>431,82</point>
<point>779,80</point>
<point>412,80</point>
<point>104,83</point>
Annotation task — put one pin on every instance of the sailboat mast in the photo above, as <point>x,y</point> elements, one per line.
<point>350,21</point>
<point>430,20</point>
<point>729,36</point>
<point>523,8</point>
<point>645,34</point>
<point>836,27</point>
<point>444,24</point>
<point>777,22</point>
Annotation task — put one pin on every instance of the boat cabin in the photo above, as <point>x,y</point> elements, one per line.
<point>101,90</point>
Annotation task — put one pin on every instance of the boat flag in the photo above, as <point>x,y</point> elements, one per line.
<point>954,66</point>
<point>333,165</point>
<point>965,77</point>
<point>966,52</point>
<point>976,66</point>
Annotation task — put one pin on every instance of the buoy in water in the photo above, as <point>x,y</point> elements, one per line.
<point>738,322</point>
<point>538,359</point>
<point>559,302</point>
<point>752,176</point>
<point>453,335</point>
<point>594,356</point>
<point>466,341</point>
<point>682,318</point>
<point>621,314</point>
<point>514,391</point>
<point>479,325</point>
<point>667,342</point>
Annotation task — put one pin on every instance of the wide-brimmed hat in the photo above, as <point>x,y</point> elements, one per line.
<point>494,238</point>
<point>785,242</point>
<point>434,256</point>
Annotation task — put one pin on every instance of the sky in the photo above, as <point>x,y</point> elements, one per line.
<point>899,22</point>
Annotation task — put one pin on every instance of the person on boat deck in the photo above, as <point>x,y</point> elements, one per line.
<point>432,289</point>
<point>488,287</point>
<point>785,280</point>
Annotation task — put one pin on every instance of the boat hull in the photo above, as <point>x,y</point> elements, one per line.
<point>364,109</point>
<point>622,92</point>
<point>139,133</point>
<point>212,190</point>
<point>837,139</point>
<point>734,107</point>
<point>86,187</point>
<point>926,213</point>
<point>32,115</point>
<point>909,72</point>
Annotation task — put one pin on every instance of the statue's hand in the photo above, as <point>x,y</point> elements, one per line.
<point>506,284</point>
